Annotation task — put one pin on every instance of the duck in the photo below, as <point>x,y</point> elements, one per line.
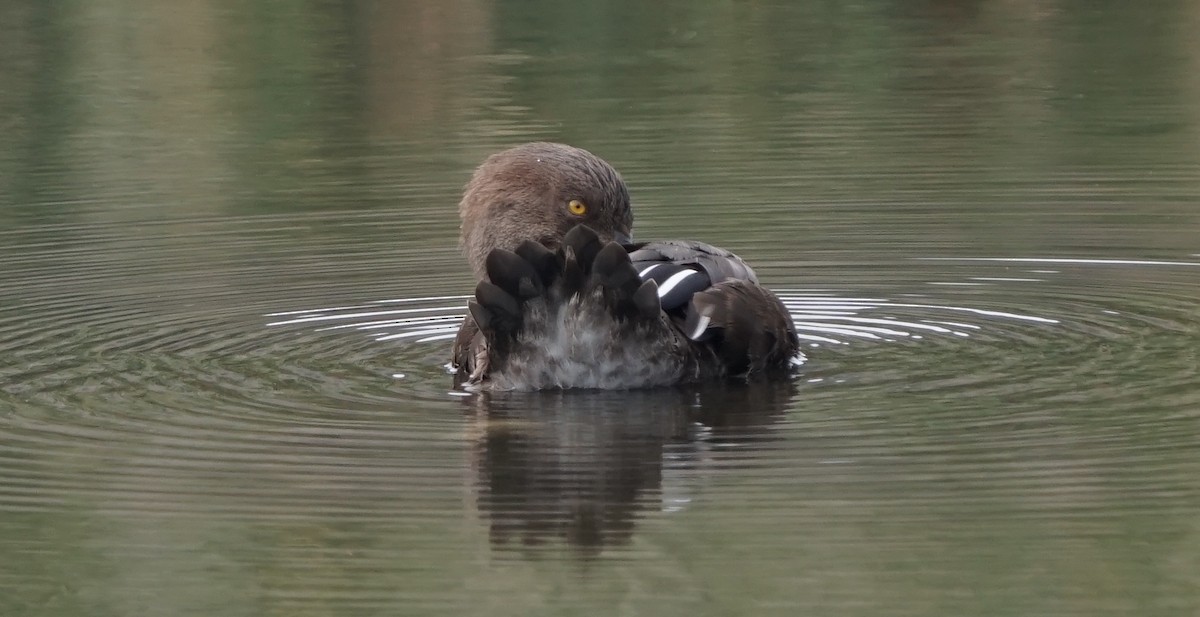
<point>565,298</point>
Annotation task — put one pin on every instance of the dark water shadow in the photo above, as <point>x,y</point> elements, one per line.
<point>582,467</point>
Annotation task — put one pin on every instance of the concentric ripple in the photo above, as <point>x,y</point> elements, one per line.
<point>280,383</point>
<point>422,320</point>
<point>982,216</point>
<point>284,391</point>
<point>819,318</point>
<point>975,329</point>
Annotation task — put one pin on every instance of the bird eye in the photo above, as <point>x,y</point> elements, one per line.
<point>578,208</point>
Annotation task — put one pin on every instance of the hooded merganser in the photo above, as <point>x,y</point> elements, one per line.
<point>566,299</point>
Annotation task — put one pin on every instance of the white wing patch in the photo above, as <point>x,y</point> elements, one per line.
<point>675,280</point>
<point>701,326</point>
<point>647,270</point>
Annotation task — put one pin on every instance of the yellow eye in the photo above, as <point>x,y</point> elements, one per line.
<point>578,208</point>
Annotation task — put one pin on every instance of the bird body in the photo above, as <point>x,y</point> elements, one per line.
<point>564,299</point>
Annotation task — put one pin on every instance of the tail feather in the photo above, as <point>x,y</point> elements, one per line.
<point>494,309</point>
<point>514,274</point>
<point>670,305</point>
<point>544,261</point>
<point>533,271</point>
<point>613,270</point>
<point>582,243</point>
<point>645,299</point>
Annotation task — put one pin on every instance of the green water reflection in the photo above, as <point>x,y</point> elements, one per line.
<point>201,164</point>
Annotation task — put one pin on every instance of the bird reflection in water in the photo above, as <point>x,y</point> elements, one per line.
<point>582,466</point>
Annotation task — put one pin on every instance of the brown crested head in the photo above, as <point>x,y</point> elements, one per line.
<point>539,191</point>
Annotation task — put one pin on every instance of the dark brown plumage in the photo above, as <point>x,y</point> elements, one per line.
<point>565,300</point>
<point>523,194</point>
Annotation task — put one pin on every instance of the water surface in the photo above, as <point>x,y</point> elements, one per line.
<point>228,268</point>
